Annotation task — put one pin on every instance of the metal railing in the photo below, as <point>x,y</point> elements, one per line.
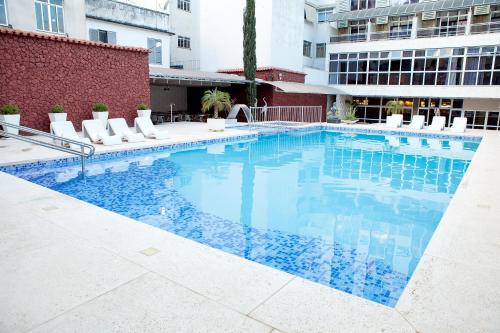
<point>445,31</point>
<point>350,38</point>
<point>51,145</point>
<point>388,35</point>
<point>295,114</point>
<point>484,28</point>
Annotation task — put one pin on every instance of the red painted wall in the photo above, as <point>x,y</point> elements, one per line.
<point>272,74</point>
<point>40,70</point>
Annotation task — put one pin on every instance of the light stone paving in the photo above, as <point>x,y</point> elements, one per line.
<point>68,266</point>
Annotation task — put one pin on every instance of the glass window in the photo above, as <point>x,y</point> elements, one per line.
<point>49,15</point>
<point>102,36</point>
<point>307,48</point>
<point>419,64</point>
<point>320,50</point>
<point>155,48</point>
<point>3,13</point>
<point>418,78</point>
<point>470,78</point>
<point>324,14</point>
<point>183,42</point>
<point>184,5</point>
<point>430,79</point>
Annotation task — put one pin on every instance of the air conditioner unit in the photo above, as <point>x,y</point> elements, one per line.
<point>342,24</point>
<point>482,10</point>
<point>426,16</point>
<point>382,20</point>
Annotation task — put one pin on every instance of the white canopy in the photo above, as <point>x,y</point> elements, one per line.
<point>301,88</point>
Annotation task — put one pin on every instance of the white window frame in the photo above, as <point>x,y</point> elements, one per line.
<point>50,4</point>
<point>324,13</point>
<point>155,53</point>
<point>184,5</point>
<point>307,45</point>
<point>184,42</point>
<point>5,13</point>
<point>323,48</point>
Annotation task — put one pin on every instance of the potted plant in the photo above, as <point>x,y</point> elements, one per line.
<point>347,114</point>
<point>218,101</point>
<point>394,107</point>
<point>100,111</point>
<point>9,113</point>
<point>143,110</point>
<point>57,113</point>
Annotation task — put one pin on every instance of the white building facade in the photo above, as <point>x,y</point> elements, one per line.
<point>436,57</point>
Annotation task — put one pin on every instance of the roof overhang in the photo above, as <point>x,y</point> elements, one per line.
<point>181,77</point>
<point>410,9</point>
<point>301,88</point>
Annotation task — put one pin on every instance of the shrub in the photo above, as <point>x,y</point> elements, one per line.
<point>142,106</point>
<point>9,109</point>
<point>58,108</point>
<point>100,107</point>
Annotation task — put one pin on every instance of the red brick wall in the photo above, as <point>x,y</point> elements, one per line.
<point>276,98</point>
<point>272,74</point>
<point>38,71</point>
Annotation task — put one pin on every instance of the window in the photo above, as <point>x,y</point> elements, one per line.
<point>49,15</point>
<point>183,42</point>
<point>452,23</point>
<point>102,36</point>
<point>362,4</point>
<point>154,47</point>
<point>445,66</point>
<point>324,14</point>
<point>3,13</point>
<point>307,49</point>
<point>184,5</point>
<point>320,50</point>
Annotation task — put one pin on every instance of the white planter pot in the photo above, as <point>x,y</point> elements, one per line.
<point>216,125</point>
<point>102,116</point>
<point>13,119</point>
<point>57,116</point>
<point>144,113</point>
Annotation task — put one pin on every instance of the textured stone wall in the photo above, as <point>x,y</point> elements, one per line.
<point>40,70</point>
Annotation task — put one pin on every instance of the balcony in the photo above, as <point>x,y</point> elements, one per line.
<point>457,30</point>
<point>122,13</point>
<point>388,35</point>
<point>484,28</point>
<point>351,38</point>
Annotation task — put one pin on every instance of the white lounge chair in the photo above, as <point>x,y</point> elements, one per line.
<point>95,131</point>
<point>394,121</point>
<point>434,144</point>
<point>438,123</point>
<point>459,124</point>
<point>119,127</point>
<point>65,129</point>
<point>417,122</point>
<point>146,127</point>
<point>414,142</point>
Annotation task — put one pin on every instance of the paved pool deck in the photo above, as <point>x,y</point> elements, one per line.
<point>68,266</point>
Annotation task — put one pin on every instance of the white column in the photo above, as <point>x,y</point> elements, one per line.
<point>469,21</point>
<point>414,27</point>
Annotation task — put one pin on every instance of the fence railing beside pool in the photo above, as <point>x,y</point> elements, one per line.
<point>299,114</point>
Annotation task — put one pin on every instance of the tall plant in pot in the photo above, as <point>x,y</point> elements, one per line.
<point>143,110</point>
<point>9,113</point>
<point>57,113</point>
<point>347,114</point>
<point>100,111</point>
<point>394,107</point>
<point>218,101</point>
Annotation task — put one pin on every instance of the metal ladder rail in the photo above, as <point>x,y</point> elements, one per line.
<point>83,155</point>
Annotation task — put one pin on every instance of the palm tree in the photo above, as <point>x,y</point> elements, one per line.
<point>218,100</point>
<point>394,107</point>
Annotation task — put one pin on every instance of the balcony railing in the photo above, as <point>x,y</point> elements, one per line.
<point>484,28</point>
<point>351,38</point>
<point>387,35</point>
<point>447,31</point>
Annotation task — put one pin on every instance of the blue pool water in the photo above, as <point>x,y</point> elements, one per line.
<point>350,211</point>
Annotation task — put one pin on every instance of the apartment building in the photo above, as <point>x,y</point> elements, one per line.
<point>435,56</point>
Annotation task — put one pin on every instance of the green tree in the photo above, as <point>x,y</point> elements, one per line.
<point>218,100</point>
<point>249,52</point>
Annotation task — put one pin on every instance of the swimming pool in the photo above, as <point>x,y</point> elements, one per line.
<point>348,210</point>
